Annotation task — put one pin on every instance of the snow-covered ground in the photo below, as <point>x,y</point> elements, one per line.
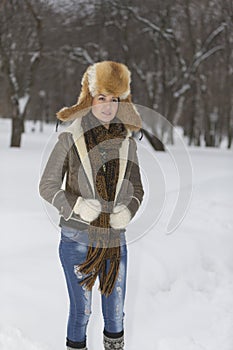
<point>180,285</point>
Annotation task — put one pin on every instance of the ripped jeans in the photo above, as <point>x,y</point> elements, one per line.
<point>73,249</point>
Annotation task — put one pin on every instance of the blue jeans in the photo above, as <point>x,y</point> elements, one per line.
<point>73,249</point>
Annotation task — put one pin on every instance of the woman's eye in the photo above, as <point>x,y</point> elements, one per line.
<point>102,98</point>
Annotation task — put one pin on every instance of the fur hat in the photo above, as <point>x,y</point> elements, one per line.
<point>106,77</point>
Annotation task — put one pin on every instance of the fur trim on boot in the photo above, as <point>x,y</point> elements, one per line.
<point>113,343</point>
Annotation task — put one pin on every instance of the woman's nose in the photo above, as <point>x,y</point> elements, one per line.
<point>108,106</point>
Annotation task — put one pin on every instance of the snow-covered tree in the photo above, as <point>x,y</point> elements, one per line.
<point>20,50</point>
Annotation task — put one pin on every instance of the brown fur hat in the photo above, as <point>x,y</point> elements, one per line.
<point>106,77</point>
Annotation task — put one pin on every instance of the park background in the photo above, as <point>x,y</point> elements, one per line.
<point>180,285</point>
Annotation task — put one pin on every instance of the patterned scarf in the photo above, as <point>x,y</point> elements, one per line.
<point>104,242</point>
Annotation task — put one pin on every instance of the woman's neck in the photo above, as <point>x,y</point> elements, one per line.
<point>106,125</point>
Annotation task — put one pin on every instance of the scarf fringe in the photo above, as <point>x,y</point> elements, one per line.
<point>93,261</point>
<point>107,281</point>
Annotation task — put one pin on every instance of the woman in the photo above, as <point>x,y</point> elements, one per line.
<point>103,191</point>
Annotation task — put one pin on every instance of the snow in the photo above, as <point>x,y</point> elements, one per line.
<point>12,338</point>
<point>180,286</point>
<point>67,6</point>
<point>23,101</point>
<point>182,90</point>
<point>35,56</point>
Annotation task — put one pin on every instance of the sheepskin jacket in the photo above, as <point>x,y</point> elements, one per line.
<point>69,159</point>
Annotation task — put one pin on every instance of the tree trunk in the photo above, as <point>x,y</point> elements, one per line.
<point>17,128</point>
<point>230,133</point>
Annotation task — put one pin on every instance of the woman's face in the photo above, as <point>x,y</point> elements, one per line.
<point>104,107</point>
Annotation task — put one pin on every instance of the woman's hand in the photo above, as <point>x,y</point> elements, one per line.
<point>87,209</point>
<point>120,217</point>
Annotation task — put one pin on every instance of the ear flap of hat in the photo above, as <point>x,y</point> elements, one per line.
<point>129,115</point>
<point>82,106</point>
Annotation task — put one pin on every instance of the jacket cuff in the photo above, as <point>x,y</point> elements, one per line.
<point>133,205</point>
<point>64,201</point>
<point>76,207</point>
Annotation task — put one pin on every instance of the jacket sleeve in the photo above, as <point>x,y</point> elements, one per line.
<point>52,179</point>
<point>135,193</point>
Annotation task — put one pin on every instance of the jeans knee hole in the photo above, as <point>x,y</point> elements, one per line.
<point>77,272</point>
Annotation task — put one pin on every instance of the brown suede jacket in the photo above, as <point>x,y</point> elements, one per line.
<point>70,157</point>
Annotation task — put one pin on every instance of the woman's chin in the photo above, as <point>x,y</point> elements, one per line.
<point>106,118</point>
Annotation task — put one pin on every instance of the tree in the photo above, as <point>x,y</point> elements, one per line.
<point>21,50</point>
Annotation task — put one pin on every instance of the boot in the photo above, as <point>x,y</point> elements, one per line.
<point>72,345</point>
<point>113,343</point>
<point>68,348</point>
